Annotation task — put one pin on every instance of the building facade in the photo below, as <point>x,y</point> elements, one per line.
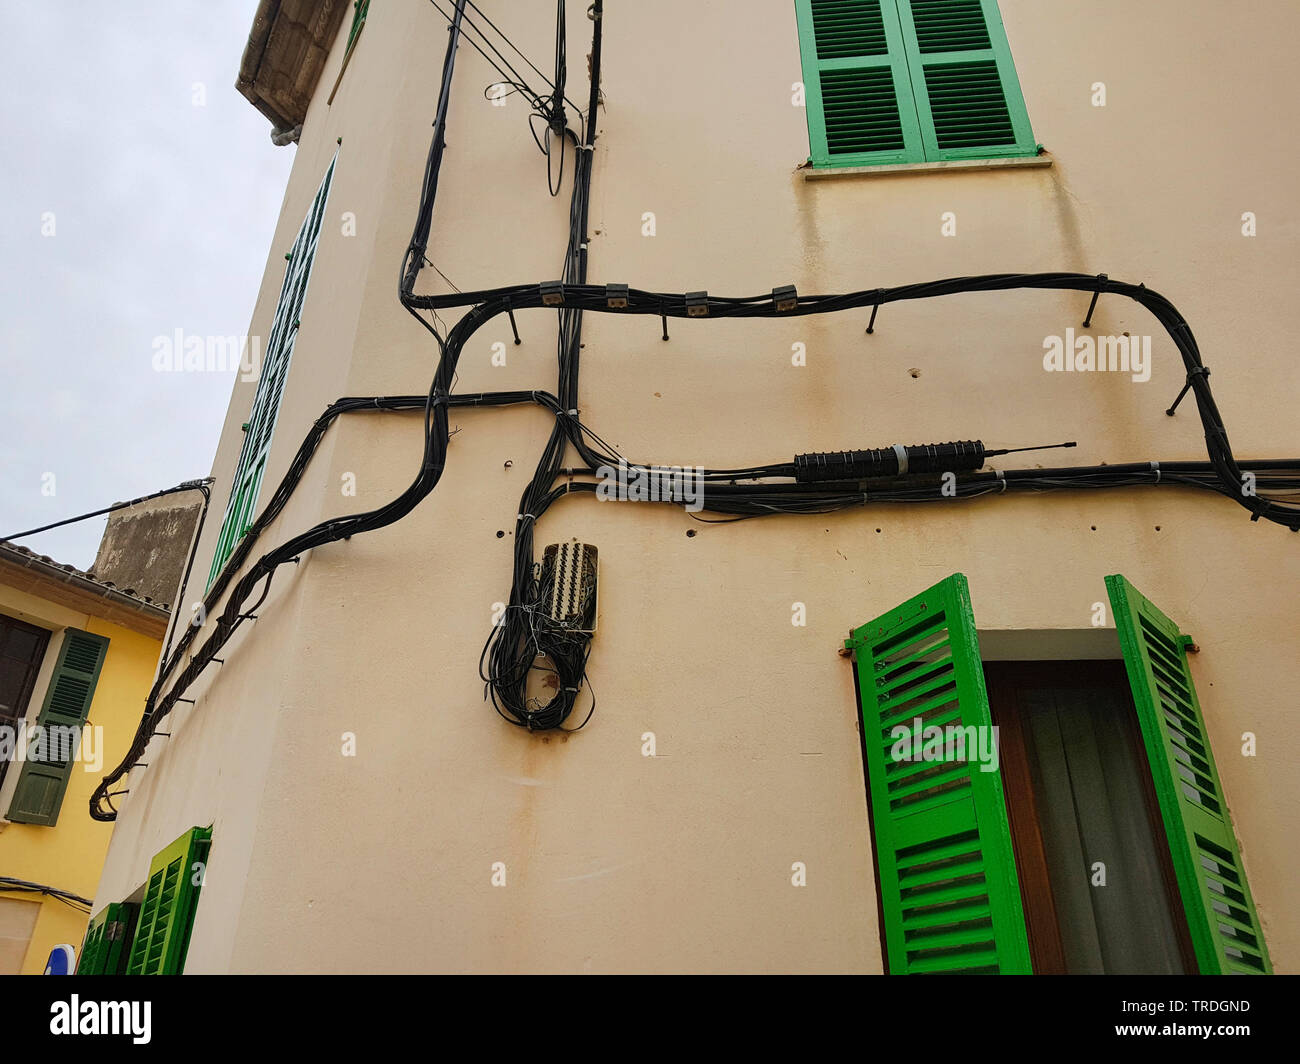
<point>77,655</point>
<point>738,800</point>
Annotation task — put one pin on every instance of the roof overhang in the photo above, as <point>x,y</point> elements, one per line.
<point>46,579</point>
<point>287,49</point>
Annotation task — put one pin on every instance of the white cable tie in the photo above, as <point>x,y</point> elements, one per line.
<point>1002,478</point>
<point>901,451</point>
<point>1156,467</point>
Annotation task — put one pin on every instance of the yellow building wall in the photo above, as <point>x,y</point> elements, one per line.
<point>70,855</point>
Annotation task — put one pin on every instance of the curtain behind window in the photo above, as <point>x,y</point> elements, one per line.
<point>1084,760</point>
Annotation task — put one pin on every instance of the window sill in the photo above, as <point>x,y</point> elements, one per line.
<point>827,173</point>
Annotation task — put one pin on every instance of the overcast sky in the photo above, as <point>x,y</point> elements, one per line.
<point>123,131</point>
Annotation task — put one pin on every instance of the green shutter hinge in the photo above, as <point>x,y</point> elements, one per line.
<point>1187,643</point>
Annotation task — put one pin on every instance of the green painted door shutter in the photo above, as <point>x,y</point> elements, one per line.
<point>968,97</point>
<point>857,90</point>
<point>38,795</point>
<point>1221,915</point>
<point>104,950</point>
<point>162,935</point>
<point>948,883</point>
<point>256,447</point>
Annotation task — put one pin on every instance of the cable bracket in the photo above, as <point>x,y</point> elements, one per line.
<point>1101,280</point>
<point>1192,374</point>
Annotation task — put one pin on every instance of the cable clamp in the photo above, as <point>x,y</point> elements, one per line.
<point>697,304</point>
<point>586,147</point>
<point>1002,478</point>
<point>1156,468</point>
<point>525,517</point>
<point>573,412</point>
<point>901,451</point>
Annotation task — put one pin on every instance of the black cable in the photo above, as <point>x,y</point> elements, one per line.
<point>22,886</point>
<point>188,485</point>
<point>520,640</point>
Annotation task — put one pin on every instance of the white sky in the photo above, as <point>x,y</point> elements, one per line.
<point>163,214</point>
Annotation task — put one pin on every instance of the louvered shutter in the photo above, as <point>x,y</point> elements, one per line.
<point>270,385</point>
<point>1221,915</point>
<point>856,87</point>
<point>968,97</point>
<point>38,795</point>
<point>948,884</point>
<point>162,934</point>
<point>104,950</point>
<point>360,9</point>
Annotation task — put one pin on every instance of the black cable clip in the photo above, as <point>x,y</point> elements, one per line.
<point>871,325</point>
<point>785,298</point>
<point>697,304</point>
<point>552,293</point>
<point>616,296</point>
<point>510,310</point>
<point>1101,280</point>
<point>1195,372</point>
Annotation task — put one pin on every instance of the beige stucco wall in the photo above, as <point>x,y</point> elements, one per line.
<point>615,861</point>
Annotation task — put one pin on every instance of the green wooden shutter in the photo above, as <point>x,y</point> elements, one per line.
<point>270,385</point>
<point>162,934</point>
<point>948,883</point>
<point>38,794</point>
<point>857,91</point>
<point>104,950</point>
<point>968,97</point>
<point>1221,915</point>
<point>360,9</point>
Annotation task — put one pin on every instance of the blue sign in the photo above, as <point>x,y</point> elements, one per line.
<point>61,961</point>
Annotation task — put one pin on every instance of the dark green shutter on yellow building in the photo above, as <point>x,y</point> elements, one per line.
<point>162,934</point>
<point>909,81</point>
<point>947,871</point>
<point>1221,915</point>
<point>38,795</point>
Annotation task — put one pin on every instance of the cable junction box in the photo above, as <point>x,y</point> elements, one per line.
<point>569,572</point>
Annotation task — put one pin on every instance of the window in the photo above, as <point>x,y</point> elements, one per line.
<point>38,794</point>
<point>909,81</point>
<point>952,878</point>
<point>22,646</point>
<point>1084,816</point>
<point>104,951</point>
<point>166,915</point>
<point>270,384</point>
